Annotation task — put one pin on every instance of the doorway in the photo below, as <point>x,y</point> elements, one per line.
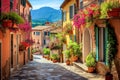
<point>11,50</point>
<point>86,43</point>
<point>0,60</point>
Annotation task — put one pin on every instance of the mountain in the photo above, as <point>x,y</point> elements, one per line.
<point>45,14</point>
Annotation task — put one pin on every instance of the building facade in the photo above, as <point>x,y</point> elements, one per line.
<point>10,56</point>
<point>95,36</point>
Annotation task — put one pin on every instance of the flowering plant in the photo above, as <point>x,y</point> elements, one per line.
<point>68,28</point>
<point>86,16</point>
<point>25,27</point>
<point>29,41</point>
<point>79,19</point>
<point>26,44</point>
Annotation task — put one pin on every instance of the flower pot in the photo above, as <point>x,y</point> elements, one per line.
<point>91,69</point>
<point>7,23</point>
<point>54,61</point>
<point>100,22</point>
<point>115,12</point>
<point>70,32</point>
<point>67,62</point>
<point>108,76</point>
<point>75,58</point>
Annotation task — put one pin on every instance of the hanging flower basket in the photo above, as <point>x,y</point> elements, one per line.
<point>21,47</point>
<point>115,12</point>
<point>25,44</point>
<point>7,23</point>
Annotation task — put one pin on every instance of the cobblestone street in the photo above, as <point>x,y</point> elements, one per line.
<point>42,69</point>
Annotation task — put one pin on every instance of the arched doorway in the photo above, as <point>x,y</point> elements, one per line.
<point>86,43</point>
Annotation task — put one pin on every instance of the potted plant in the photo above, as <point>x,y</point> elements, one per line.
<point>75,50</point>
<point>12,18</point>
<point>67,55</point>
<point>68,28</point>
<point>90,62</point>
<point>55,57</point>
<point>22,47</point>
<point>61,37</point>
<point>86,16</point>
<point>6,22</point>
<point>110,9</point>
<point>46,52</point>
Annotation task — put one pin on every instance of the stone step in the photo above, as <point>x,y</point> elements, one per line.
<point>81,66</point>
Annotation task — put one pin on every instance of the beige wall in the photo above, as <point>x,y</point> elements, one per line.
<point>36,38</point>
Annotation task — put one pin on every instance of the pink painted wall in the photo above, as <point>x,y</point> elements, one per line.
<point>5,5</point>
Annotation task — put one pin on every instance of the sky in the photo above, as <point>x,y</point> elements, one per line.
<point>36,4</point>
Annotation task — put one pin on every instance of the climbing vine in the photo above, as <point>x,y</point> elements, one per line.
<point>111,45</point>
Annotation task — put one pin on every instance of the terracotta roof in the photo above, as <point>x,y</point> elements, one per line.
<point>41,27</point>
<point>57,30</point>
<point>64,3</point>
<point>29,3</point>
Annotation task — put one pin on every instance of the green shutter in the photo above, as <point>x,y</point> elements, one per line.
<point>97,42</point>
<point>106,35</point>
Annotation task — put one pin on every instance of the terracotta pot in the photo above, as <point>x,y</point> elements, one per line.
<point>7,23</point>
<point>108,76</point>
<point>115,12</point>
<point>75,58</point>
<point>91,69</point>
<point>54,61</point>
<point>67,62</point>
<point>71,32</point>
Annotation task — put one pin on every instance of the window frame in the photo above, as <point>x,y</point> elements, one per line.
<point>81,2</point>
<point>64,16</point>
<point>73,11</point>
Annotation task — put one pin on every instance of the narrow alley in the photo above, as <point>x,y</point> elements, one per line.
<point>42,69</point>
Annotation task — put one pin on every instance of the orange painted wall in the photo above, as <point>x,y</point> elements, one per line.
<point>5,56</point>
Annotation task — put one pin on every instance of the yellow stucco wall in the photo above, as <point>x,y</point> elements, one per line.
<point>68,20</point>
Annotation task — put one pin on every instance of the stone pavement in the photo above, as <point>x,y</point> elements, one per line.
<point>42,69</point>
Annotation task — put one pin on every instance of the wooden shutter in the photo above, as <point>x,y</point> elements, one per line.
<point>105,47</point>
<point>97,42</point>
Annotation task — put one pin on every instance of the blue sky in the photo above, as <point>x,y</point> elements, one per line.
<point>42,3</point>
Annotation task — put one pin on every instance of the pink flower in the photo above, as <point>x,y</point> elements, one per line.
<point>25,27</point>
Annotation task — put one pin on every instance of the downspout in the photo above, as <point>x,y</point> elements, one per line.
<point>62,18</point>
<point>0,7</point>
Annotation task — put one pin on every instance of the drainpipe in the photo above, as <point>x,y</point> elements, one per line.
<point>0,7</point>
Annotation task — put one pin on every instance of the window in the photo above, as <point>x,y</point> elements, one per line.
<point>45,33</point>
<point>23,2</point>
<point>100,1</point>
<point>34,33</point>
<point>101,39</point>
<point>81,4</point>
<point>37,33</point>
<point>64,16</point>
<point>11,4</point>
<point>71,11</point>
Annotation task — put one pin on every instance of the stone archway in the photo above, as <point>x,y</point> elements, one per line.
<point>86,43</point>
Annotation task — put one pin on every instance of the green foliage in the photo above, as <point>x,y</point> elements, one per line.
<point>90,60</point>
<point>75,48</point>
<point>106,6</point>
<point>61,37</point>
<point>111,45</point>
<point>54,56</point>
<point>34,50</point>
<point>68,27</point>
<point>46,51</point>
<point>67,53</point>
<point>12,16</point>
